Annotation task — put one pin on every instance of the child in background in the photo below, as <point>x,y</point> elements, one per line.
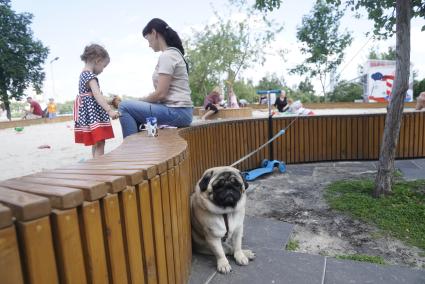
<point>212,102</point>
<point>51,108</point>
<point>232,100</point>
<point>91,110</point>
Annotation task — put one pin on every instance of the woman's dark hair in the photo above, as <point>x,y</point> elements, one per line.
<point>171,37</point>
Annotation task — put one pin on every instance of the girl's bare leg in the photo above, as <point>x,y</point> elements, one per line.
<point>98,149</point>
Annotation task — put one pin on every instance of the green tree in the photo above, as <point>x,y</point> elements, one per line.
<point>386,16</point>
<point>389,55</point>
<point>270,82</point>
<point>222,50</point>
<point>21,56</point>
<point>346,92</point>
<point>322,42</point>
<point>245,90</point>
<point>418,87</point>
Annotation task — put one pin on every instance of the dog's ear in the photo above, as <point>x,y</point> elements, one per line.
<point>203,184</point>
<point>245,183</point>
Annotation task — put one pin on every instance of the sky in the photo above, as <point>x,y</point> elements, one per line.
<point>66,27</point>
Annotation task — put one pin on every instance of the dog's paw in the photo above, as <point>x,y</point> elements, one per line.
<point>241,258</point>
<point>223,266</point>
<point>249,254</point>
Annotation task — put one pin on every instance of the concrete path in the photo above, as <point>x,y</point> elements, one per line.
<point>273,264</point>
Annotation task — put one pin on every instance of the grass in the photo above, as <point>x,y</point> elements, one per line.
<point>401,214</point>
<point>292,245</point>
<point>363,257</point>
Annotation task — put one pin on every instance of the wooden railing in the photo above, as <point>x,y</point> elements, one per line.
<point>308,139</point>
<point>124,217</point>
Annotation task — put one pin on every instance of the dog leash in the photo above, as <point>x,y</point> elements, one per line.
<point>226,222</point>
<point>281,132</point>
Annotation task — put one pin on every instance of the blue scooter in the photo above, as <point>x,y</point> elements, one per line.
<point>267,166</point>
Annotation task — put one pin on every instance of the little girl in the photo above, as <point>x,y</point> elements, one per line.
<point>91,110</point>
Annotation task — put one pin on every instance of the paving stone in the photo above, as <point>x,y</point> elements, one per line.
<point>265,233</point>
<point>346,271</point>
<point>274,266</point>
<point>419,162</point>
<point>413,174</point>
<point>405,165</point>
<point>203,268</point>
<point>259,233</point>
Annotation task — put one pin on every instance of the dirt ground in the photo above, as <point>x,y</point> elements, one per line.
<point>296,197</point>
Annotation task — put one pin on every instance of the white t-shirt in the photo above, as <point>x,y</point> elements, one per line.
<point>171,62</point>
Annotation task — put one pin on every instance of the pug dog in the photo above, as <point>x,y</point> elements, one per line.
<point>217,214</point>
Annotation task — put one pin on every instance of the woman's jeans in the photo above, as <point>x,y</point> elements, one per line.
<point>134,113</point>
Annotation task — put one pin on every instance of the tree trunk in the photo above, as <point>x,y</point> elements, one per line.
<point>384,178</point>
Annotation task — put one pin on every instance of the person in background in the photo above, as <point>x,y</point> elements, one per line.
<point>281,103</point>
<point>232,100</point>
<point>170,102</point>
<point>91,110</point>
<point>51,108</point>
<point>420,101</point>
<point>35,110</point>
<point>212,102</point>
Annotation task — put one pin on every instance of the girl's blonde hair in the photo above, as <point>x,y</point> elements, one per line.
<point>94,51</point>
<point>217,89</point>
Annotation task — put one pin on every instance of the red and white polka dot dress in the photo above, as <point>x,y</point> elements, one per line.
<point>92,123</point>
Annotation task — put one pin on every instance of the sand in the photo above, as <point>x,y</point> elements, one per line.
<point>21,156</point>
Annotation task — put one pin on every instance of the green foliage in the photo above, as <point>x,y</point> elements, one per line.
<point>222,50</point>
<point>363,258</point>
<point>400,213</point>
<point>389,55</point>
<point>66,107</point>
<point>418,87</point>
<point>322,42</point>
<point>245,90</point>
<point>270,82</point>
<point>292,245</point>
<point>382,13</point>
<point>346,92</point>
<point>21,56</point>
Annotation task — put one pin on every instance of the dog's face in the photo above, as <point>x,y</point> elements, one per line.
<point>223,186</point>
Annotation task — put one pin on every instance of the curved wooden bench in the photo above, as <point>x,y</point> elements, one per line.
<point>124,217</point>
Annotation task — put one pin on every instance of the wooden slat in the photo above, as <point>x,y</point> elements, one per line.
<point>133,177</point>
<point>68,247</point>
<point>5,217</point>
<point>166,210</point>
<point>145,212</point>
<point>60,197</point>
<point>176,234</point>
<point>148,170</point>
<point>93,242</point>
<point>180,224</point>
<point>25,206</point>
<point>186,217</point>
<point>114,239</point>
<point>158,224</point>
<point>10,264</point>
<point>92,190</point>
<point>132,235</point>
<point>37,251</point>
<point>116,183</point>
